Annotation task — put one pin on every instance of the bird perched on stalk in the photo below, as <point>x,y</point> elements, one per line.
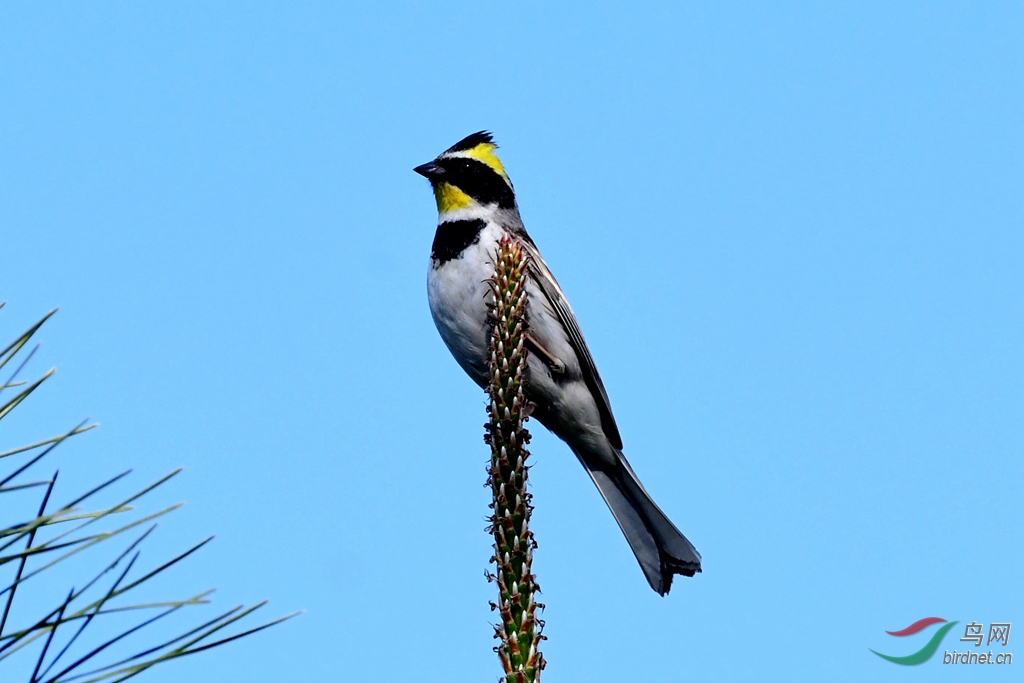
<point>476,205</point>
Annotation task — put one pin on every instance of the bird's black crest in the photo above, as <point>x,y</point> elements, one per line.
<point>471,141</point>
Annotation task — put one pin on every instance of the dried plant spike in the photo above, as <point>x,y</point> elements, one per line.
<point>519,633</point>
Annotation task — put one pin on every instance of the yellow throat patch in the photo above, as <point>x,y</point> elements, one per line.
<point>450,198</point>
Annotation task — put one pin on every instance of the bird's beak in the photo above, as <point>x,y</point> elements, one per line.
<point>430,171</point>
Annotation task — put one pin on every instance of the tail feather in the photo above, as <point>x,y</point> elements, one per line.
<point>660,548</point>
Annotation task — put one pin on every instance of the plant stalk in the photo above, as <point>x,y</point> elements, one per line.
<point>519,633</point>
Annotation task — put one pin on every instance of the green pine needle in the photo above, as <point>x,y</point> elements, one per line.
<point>71,637</point>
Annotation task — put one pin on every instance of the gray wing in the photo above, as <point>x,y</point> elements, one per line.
<point>560,305</point>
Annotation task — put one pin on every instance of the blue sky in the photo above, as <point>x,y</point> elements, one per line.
<point>791,235</point>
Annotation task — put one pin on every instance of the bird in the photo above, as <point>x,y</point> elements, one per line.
<point>476,205</point>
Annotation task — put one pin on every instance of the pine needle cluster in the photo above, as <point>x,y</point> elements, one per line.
<point>82,636</point>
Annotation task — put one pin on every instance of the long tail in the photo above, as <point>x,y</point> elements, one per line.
<point>660,548</point>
